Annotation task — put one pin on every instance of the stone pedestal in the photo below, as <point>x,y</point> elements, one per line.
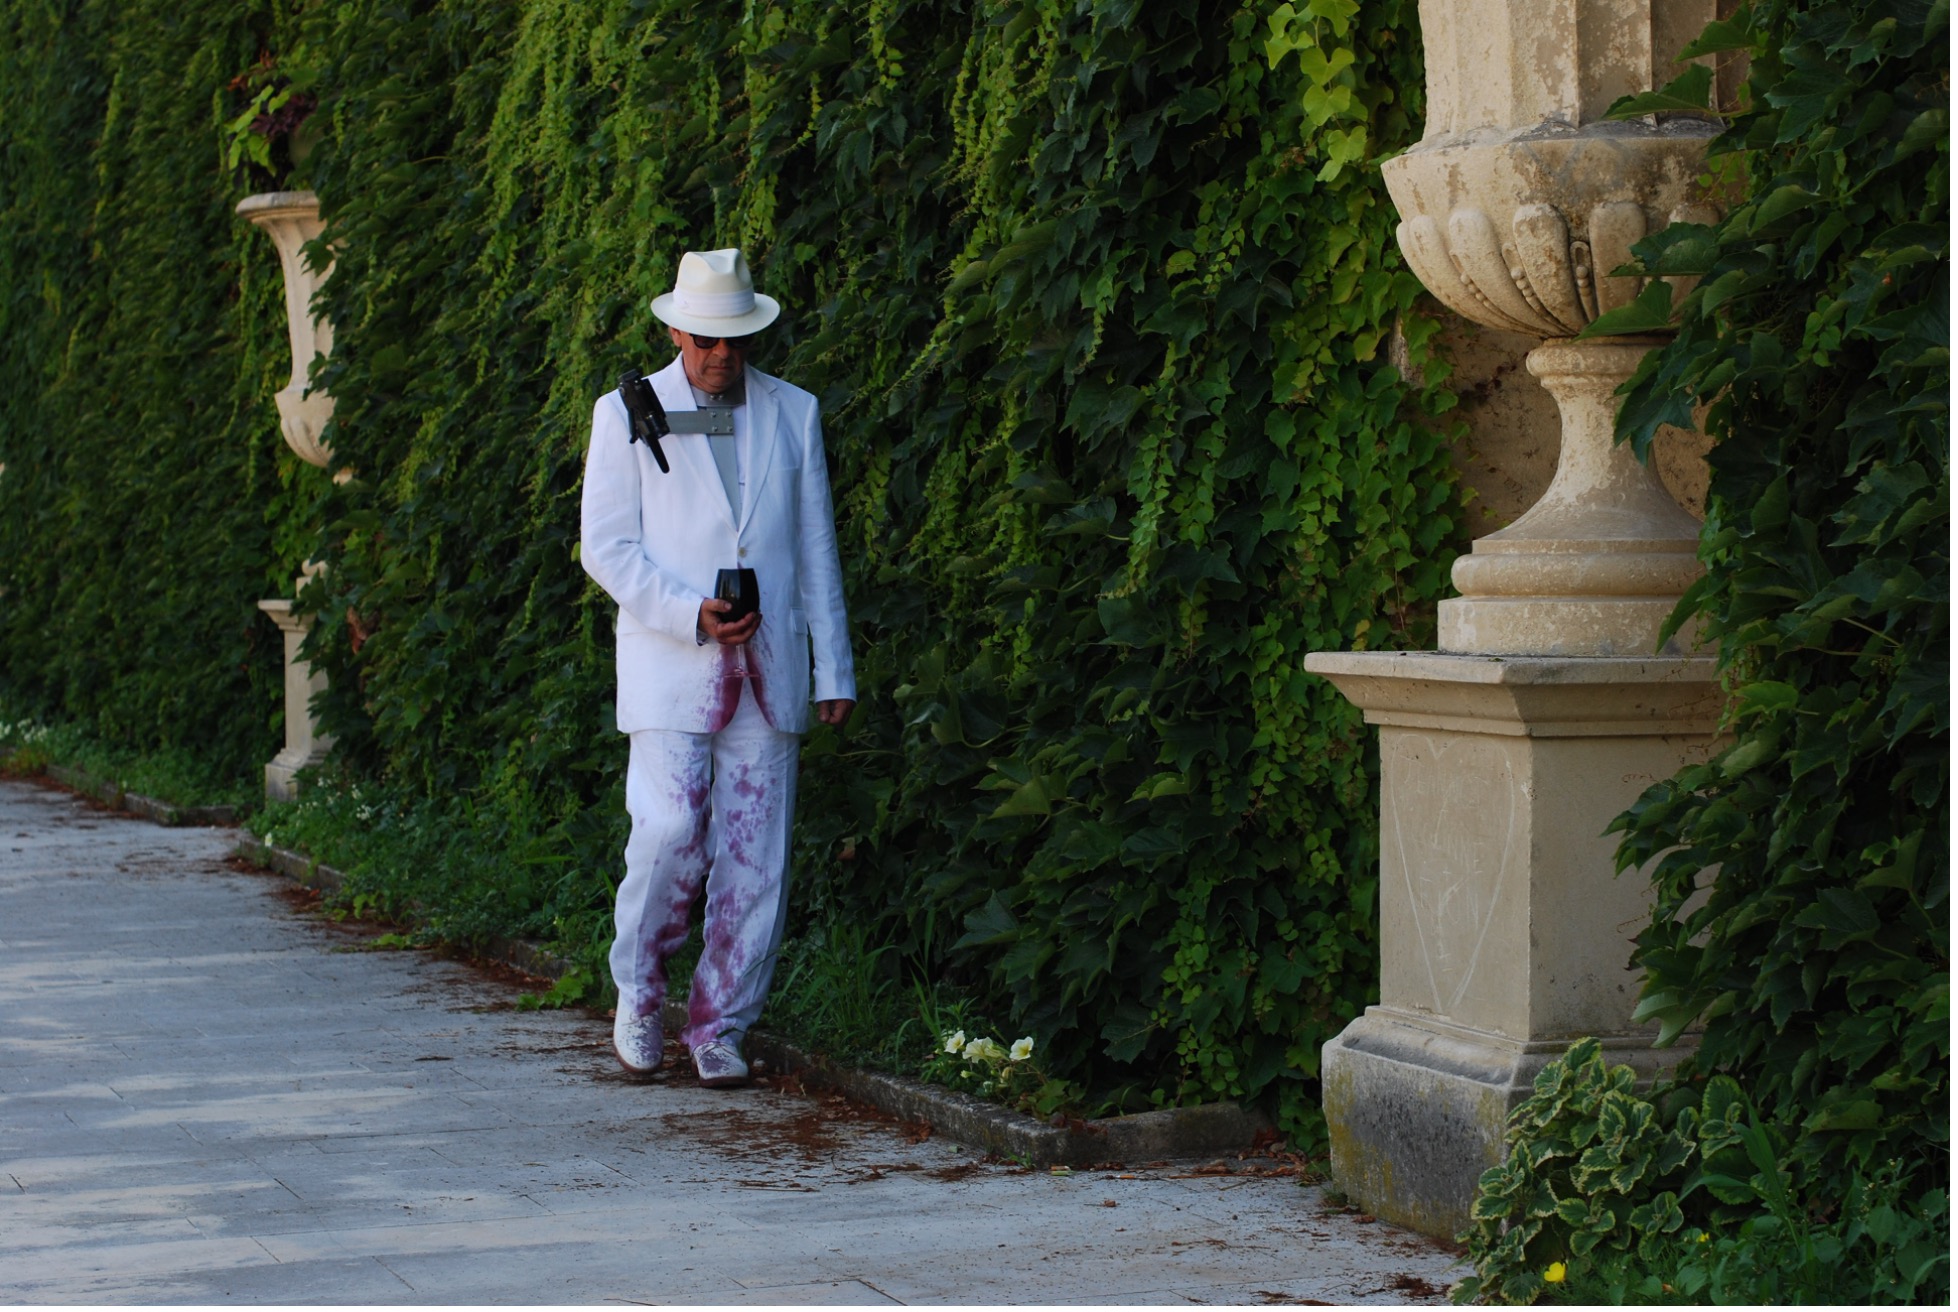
<point>305,745</point>
<point>1504,933</point>
<point>292,219</point>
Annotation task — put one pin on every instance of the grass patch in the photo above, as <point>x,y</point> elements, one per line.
<point>176,775</point>
<point>460,872</point>
<point>839,992</point>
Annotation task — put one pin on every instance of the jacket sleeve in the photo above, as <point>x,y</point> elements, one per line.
<point>821,572</point>
<point>611,539</point>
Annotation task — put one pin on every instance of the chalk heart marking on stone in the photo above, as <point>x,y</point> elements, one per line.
<point>1453,832</point>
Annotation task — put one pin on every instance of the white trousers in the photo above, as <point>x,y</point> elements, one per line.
<point>712,807</point>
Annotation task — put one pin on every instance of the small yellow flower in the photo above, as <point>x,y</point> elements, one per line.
<point>1555,1273</point>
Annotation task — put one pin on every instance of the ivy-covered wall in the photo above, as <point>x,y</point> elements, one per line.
<point>1095,297</point>
<point>140,500</point>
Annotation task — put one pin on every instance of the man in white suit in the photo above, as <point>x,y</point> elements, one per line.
<point>714,709</point>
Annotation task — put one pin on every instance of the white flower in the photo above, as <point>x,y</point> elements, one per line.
<point>955,1043</point>
<point>983,1050</point>
<point>1021,1049</point>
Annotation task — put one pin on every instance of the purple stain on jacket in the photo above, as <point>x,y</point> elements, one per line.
<point>727,688</point>
<point>762,648</point>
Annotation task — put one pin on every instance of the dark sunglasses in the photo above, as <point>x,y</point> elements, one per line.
<point>709,343</point>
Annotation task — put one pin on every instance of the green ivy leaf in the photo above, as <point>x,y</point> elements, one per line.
<point>1689,93</point>
<point>1649,312</point>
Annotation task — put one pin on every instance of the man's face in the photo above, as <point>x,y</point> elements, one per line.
<point>713,370</point>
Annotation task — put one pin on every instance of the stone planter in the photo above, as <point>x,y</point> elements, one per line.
<point>1504,934</point>
<point>1516,207</point>
<point>291,219</point>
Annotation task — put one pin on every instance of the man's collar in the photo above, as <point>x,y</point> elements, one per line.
<point>735,395</point>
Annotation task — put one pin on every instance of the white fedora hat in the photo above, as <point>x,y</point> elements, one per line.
<point>714,295</point>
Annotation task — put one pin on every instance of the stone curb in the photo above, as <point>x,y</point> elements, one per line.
<point>295,866</point>
<point>1216,1127</point>
<point>115,795</point>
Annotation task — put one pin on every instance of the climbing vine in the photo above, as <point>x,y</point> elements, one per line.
<point>1801,920</point>
<point>1818,956</point>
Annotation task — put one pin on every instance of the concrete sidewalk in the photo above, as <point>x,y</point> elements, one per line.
<point>209,1095</point>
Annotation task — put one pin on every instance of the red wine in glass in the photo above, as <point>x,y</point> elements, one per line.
<point>739,587</point>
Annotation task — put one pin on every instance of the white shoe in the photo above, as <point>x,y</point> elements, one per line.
<point>639,1043</point>
<point>719,1065</point>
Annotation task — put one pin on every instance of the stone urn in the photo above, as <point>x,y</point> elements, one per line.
<point>1516,207</point>
<point>1505,933</point>
<point>291,219</point>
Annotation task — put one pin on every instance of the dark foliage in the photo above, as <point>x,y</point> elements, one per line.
<point>1818,958</point>
<point>139,465</point>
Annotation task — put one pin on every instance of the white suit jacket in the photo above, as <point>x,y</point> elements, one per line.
<point>655,541</point>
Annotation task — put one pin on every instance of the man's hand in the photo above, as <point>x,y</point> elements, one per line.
<point>728,635</point>
<point>835,712</point>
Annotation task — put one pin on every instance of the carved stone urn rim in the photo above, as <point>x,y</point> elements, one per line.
<point>277,204</point>
<point>1673,128</point>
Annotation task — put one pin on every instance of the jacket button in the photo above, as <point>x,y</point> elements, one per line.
<point>744,553</point>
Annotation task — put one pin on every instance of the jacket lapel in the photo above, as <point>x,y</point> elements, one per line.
<point>688,451</point>
<point>757,453</point>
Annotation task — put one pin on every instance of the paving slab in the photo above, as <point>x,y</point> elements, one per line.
<point>211,1094</point>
